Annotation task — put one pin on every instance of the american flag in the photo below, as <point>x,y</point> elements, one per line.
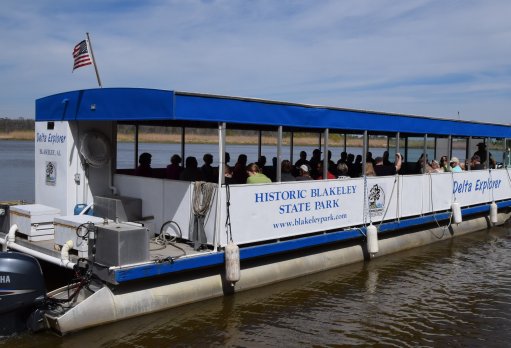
<point>81,55</point>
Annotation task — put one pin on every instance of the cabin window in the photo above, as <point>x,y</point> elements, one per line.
<point>126,146</point>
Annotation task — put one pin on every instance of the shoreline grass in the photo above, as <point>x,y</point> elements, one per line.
<point>334,140</point>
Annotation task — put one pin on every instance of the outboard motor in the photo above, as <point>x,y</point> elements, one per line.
<point>22,291</point>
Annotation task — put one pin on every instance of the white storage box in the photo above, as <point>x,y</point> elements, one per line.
<point>66,228</point>
<point>34,220</point>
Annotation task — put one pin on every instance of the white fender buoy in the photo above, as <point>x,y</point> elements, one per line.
<point>232,263</point>
<point>493,213</point>
<point>456,213</point>
<point>372,239</point>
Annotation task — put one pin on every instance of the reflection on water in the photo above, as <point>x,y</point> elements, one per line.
<point>453,293</point>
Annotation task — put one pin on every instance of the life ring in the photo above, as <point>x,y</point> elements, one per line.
<point>95,149</point>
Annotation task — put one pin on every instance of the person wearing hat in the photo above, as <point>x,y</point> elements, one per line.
<point>304,173</point>
<point>481,152</point>
<point>144,165</point>
<point>455,165</point>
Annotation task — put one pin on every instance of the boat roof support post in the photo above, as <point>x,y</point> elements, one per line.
<point>259,144</point>
<point>279,153</point>
<point>325,155</point>
<point>398,135</point>
<point>183,133</point>
<point>449,147</point>
<point>291,146</point>
<point>221,181</point>
<point>364,153</point>
<point>345,142</point>
<point>434,148</point>
<point>221,153</point>
<point>467,154</point>
<point>467,149</point>
<point>406,148</point>
<point>135,160</point>
<point>425,154</point>
<point>487,164</point>
<point>508,152</point>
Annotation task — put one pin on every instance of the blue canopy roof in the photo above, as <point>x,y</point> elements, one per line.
<point>138,104</point>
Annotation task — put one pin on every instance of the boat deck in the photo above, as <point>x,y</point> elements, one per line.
<point>158,252</point>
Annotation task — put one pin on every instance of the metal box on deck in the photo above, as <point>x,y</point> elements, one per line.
<point>34,220</point>
<point>118,208</point>
<point>66,229</point>
<point>119,244</point>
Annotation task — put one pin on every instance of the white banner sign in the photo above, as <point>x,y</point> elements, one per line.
<point>280,210</point>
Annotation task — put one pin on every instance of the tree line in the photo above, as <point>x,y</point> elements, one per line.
<point>8,125</point>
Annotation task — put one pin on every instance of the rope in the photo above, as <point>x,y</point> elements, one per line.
<point>366,202</point>
<point>162,241</point>
<point>203,193</point>
<point>390,199</point>
<point>491,180</point>
<point>444,228</point>
<point>228,229</point>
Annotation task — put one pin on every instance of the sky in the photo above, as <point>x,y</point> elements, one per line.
<point>438,58</point>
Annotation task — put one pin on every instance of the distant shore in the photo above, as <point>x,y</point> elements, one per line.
<point>17,135</point>
<point>335,140</point>
<point>213,139</point>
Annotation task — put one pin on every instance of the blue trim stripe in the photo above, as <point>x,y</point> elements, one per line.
<point>211,260</point>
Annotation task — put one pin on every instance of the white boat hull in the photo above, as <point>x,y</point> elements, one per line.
<point>106,306</point>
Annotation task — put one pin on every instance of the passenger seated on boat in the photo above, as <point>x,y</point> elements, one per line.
<point>342,171</point>
<point>286,168</point>
<point>455,165</point>
<point>191,172</point>
<point>344,158</point>
<point>386,160</point>
<point>370,169</point>
<point>254,176</point>
<point>173,170</point>
<point>207,171</point>
<point>435,167</point>
<point>422,165</point>
<point>475,163</point>
<point>144,167</point>
<point>382,169</point>
<point>261,162</point>
<point>304,173</point>
<point>329,175</point>
<point>444,163</point>
<point>227,168</point>
<point>369,158</point>
<point>355,170</point>
<point>315,159</point>
<point>239,173</point>
<point>481,152</point>
<point>302,160</point>
<point>332,168</point>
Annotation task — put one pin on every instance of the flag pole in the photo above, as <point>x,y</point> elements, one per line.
<point>94,60</point>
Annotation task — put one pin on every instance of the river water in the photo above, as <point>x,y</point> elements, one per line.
<point>454,293</point>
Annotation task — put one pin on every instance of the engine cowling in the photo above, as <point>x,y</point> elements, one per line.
<point>22,290</point>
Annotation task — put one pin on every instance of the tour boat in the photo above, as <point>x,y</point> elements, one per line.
<point>139,244</point>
